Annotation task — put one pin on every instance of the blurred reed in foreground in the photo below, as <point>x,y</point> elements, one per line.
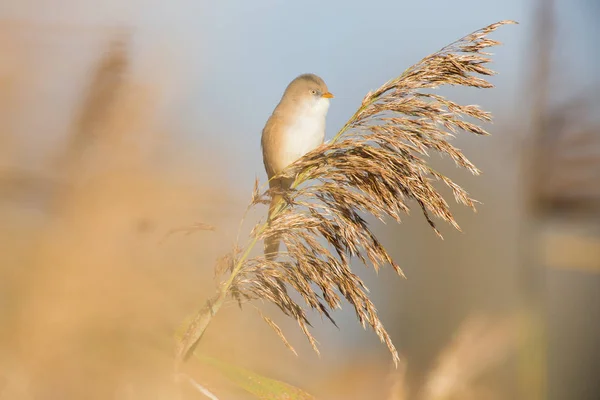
<point>87,298</point>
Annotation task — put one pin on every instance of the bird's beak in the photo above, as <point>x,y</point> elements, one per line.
<point>327,95</point>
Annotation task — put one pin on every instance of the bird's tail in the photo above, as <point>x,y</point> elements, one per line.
<point>272,242</point>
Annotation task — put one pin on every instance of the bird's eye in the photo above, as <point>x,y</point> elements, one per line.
<point>313,91</point>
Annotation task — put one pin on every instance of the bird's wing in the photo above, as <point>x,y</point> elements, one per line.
<point>270,144</point>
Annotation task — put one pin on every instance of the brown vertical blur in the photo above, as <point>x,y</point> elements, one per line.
<point>563,208</point>
<point>89,300</point>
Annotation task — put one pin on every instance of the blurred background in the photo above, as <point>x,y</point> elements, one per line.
<point>121,120</point>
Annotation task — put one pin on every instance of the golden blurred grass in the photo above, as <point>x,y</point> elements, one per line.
<point>89,299</point>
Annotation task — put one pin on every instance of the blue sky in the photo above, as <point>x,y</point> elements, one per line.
<point>231,60</point>
<point>253,49</point>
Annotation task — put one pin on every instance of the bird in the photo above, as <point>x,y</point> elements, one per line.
<point>296,126</point>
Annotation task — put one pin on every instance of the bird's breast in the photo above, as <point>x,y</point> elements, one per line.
<point>302,135</point>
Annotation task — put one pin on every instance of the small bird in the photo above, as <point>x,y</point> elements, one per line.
<point>296,127</point>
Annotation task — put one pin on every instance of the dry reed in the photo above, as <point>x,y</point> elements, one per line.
<point>375,165</point>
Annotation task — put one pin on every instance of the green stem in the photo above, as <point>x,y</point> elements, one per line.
<point>197,327</point>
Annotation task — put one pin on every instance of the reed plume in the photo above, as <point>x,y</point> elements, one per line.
<point>375,165</point>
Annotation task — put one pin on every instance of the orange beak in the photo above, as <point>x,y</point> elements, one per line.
<point>327,95</point>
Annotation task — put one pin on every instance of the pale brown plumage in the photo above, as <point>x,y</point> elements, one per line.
<point>296,126</point>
